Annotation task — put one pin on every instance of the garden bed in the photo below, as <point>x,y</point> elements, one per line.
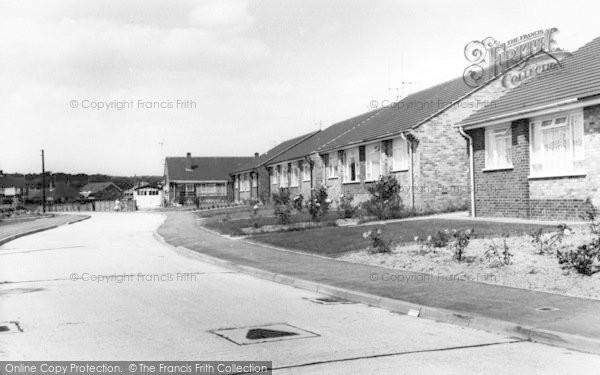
<point>527,270</point>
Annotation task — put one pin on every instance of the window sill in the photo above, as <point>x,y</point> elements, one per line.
<point>305,180</point>
<point>494,169</point>
<point>332,178</point>
<point>350,182</point>
<point>557,175</point>
<point>399,170</point>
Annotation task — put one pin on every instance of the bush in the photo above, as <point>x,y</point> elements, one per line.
<point>282,197</point>
<point>385,202</point>
<point>585,259</point>
<point>283,213</point>
<point>440,239</point>
<point>379,245</point>
<point>591,216</point>
<point>297,202</point>
<point>497,258</point>
<point>461,241</point>
<point>345,208</point>
<point>548,244</point>
<point>318,205</point>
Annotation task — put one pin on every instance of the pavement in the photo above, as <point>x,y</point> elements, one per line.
<point>9,232</point>
<point>69,290</point>
<point>572,322</point>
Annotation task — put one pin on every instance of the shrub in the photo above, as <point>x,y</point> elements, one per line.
<point>282,197</point>
<point>497,258</point>
<point>283,213</point>
<point>585,259</point>
<point>461,241</point>
<point>318,205</point>
<point>385,202</point>
<point>346,209</point>
<point>297,202</point>
<point>440,239</point>
<point>548,244</point>
<point>591,216</point>
<point>379,245</point>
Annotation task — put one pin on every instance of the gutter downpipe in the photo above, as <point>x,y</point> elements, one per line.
<point>412,179</point>
<point>471,168</point>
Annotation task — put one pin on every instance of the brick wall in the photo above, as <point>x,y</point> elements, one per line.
<point>503,192</point>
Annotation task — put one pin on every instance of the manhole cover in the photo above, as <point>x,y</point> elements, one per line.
<point>547,308</point>
<point>262,334</point>
<point>9,327</point>
<point>330,301</point>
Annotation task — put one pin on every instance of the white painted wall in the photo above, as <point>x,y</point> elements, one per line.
<point>146,198</point>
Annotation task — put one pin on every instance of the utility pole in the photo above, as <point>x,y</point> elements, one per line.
<point>43,184</point>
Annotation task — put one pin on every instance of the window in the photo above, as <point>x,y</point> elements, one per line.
<point>400,154</point>
<point>254,180</point>
<point>351,165</point>
<point>284,176</point>
<point>246,183</point>
<point>189,190</point>
<point>306,171</point>
<point>498,147</point>
<point>332,169</point>
<point>557,145</point>
<point>295,176</point>
<point>373,161</point>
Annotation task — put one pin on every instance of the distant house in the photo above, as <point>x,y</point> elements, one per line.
<point>536,152</point>
<point>101,191</point>
<point>148,196</point>
<point>188,179</point>
<point>251,181</point>
<point>12,188</point>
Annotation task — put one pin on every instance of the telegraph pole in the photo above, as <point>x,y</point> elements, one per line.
<point>43,185</point>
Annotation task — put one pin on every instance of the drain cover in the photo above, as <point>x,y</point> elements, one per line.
<point>546,308</point>
<point>264,333</point>
<point>9,327</point>
<point>261,333</point>
<point>330,301</point>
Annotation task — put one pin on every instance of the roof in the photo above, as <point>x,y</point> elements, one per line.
<point>210,168</point>
<point>94,187</point>
<point>579,77</point>
<point>323,137</point>
<point>404,114</point>
<point>7,181</point>
<point>274,152</point>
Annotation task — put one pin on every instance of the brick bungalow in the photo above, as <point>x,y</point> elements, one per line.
<point>205,178</point>
<point>536,152</point>
<point>251,180</point>
<point>414,139</point>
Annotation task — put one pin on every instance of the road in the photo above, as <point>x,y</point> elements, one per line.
<point>106,289</point>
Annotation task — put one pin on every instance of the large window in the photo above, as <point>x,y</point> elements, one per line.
<point>284,176</point>
<point>351,165</point>
<point>373,161</point>
<point>295,178</point>
<point>498,147</point>
<point>274,176</point>
<point>400,154</point>
<point>557,145</point>
<point>306,171</point>
<point>332,168</point>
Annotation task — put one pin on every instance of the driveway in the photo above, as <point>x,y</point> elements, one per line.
<point>106,289</point>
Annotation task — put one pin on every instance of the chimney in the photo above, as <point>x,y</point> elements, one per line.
<point>188,161</point>
<point>256,154</point>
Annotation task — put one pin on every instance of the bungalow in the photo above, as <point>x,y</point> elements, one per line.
<point>251,181</point>
<point>12,188</point>
<point>536,152</point>
<point>414,139</point>
<point>189,179</point>
<point>101,191</point>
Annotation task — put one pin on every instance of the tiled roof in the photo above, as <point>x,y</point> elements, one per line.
<point>214,168</point>
<point>273,153</point>
<point>579,78</point>
<point>405,114</point>
<point>321,138</point>
<point>8,181</point>
<point>95,187</point>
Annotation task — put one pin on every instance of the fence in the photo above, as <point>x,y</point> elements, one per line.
<point>103,206</point>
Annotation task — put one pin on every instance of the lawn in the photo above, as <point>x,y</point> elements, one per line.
<point>335,241</point>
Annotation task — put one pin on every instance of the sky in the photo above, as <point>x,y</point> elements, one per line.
<point>113,86</point>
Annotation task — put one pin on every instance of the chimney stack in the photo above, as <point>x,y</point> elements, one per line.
<point>256,154</point>
<point>188,161</point>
